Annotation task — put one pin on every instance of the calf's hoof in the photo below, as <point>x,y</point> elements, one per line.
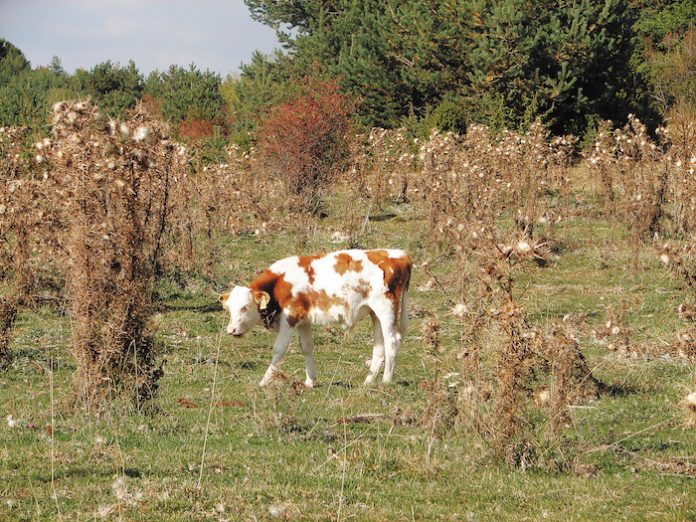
<point>268,376</point>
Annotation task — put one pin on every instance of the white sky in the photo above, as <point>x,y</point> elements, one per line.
<point>214,34</point>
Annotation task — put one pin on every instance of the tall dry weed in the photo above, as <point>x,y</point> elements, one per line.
<point>518,366</point>
<point>648,183</point>
<point>111,182</point>
<point>24,229</point>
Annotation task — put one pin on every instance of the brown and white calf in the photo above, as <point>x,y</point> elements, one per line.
<point>340,287</point>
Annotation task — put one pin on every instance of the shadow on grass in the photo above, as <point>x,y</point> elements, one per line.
<point>201,309</point>
<point>619,389</point>
<point>383,216</point>
<point>87,471</point>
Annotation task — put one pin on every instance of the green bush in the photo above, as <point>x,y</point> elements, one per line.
<point>115,88</point>
<point>187,94</point>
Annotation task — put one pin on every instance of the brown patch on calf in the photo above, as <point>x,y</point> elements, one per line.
<point>324,301</point>
<point>279,291</point>
<point>224,297</point>
<point>397,275</point>
<point>344,263</point>
<point>301,304</point>
<point>377,256</point>
<point>305,262</point>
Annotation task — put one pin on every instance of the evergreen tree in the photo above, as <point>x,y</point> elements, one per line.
<point>115,88</point>
<point>56,66</point>
<point>505,61</point>
<point>263,83</point>
<point>12,61</point>
<point>186,93</point>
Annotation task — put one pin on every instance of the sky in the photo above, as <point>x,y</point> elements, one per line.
<point>214,34</point>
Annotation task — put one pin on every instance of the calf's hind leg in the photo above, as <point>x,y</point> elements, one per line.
<point>377,351</point>
<point>392,342</point>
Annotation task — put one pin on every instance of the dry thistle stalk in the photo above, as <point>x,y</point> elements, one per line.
<point>522,357</point>
<point>441,412</point>
<point>431,339</point>
<point>649,184</point>
<point>24,227</point>
<point>573,382</point>
<point>8,314</point>
<point>111,183</point>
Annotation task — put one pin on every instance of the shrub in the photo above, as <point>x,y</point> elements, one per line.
<point>19,225</point>
<point>186,93</point>
<point>195,129</point>
<point>305,141</point>
<point>450,114</point>
<point>112,185</point>
<point>115,88</point>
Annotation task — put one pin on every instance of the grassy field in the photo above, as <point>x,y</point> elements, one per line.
<point>284,453</point>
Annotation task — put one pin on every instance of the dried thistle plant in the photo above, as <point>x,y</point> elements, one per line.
<point>24,227</point>
<point>518,362</point>
<point>648,184</point>
<point>441,411</point>
<point>111,183</point>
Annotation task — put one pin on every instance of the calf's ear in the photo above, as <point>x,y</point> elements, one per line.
<point>224,297</point>
<point>262,299</point>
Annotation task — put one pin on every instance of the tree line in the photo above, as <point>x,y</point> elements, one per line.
<point>440,63</point>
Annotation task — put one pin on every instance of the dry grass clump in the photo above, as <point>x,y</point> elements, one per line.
<point>479,179</point>
<point>690,406</point>
<point>111,183</point>
<point>649,184</point>
<point>233,198</point>
<point>382,162</point>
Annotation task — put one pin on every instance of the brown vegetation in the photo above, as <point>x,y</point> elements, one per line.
<point>305,141</point>
<point>117,204</point>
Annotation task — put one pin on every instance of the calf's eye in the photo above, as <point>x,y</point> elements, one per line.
<point>244,308</point>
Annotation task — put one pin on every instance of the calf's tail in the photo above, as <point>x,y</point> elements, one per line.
<point>403,319</point>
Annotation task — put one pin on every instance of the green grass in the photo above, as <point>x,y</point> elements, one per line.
<point>275,451</point>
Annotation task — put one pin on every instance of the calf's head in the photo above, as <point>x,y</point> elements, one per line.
<point>244,307</point>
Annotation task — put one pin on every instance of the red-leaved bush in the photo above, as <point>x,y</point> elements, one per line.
<point>305,141</point>
<point>196,129</point>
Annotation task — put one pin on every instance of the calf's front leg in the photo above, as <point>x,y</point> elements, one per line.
<point>279,348</point>
<point>306,343</point>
